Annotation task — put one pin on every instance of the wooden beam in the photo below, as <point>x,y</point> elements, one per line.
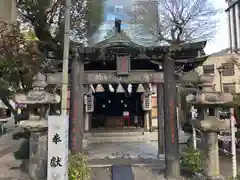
<point>110,77</point>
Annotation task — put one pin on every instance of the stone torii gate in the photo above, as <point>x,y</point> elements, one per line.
<point>121,58</point>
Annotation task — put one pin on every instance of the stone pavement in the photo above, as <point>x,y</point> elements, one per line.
<point>134,151</point>
<point>139,172</point>
<point>7,144</point>
<point>147,168</point>
<point>126,136</point>
<point>104,155</point>
<point>10,168</point>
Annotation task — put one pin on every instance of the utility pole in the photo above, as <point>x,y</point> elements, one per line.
<point>65,58</point>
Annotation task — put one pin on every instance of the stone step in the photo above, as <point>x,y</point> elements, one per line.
<point>116,139</point>
<point>113,134</point>
<point>156,163</point>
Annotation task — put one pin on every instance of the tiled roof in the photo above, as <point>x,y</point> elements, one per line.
<point>223,52</point>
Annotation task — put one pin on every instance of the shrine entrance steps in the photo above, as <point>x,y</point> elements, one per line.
<point>116,135</point>
<point>128,172</point>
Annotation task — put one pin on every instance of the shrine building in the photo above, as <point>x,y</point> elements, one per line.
<point>120,81</point>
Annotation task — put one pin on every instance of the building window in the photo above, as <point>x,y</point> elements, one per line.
<point>208,69</point>
<point>228,69</point>
<point>229,88</point>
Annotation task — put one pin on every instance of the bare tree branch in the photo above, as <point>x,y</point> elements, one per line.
<point>174,21</point>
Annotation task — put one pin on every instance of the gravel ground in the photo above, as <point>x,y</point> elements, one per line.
<point>147,173</point>
<point>101,174</point>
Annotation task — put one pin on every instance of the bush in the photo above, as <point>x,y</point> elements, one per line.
<point>236,178</point>
<point>23,152</point>
<point>78,169</point>
<point>191,161</point>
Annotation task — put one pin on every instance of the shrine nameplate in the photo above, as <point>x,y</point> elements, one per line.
<point>91,77</point>
<point>133,77</point>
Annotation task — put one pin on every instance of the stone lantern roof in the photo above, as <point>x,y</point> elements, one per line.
<point>38,95</point>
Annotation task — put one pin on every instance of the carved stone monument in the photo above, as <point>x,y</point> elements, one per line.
<point>38,101</point>
<point>208,102</point>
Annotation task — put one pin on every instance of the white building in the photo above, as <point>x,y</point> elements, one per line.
<point>233,12</point>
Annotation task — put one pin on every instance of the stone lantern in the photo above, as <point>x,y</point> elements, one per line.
<point>208,102</point>
<point>37,101</point>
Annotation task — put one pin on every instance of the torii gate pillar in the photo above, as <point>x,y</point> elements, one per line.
<point>172,154</point>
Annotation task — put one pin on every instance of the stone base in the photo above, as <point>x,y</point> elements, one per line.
<point>203,177</point>
<point>174,178</point>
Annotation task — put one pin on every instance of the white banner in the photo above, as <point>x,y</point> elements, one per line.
<point>58,147</point>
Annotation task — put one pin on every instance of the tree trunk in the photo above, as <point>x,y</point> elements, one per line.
<point>5,100</point>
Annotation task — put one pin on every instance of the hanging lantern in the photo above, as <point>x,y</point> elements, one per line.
<point>140,89</point>
<point>99,88</point>
<point>120,89</point>
<point>146,102</point>
<point>89,103</point>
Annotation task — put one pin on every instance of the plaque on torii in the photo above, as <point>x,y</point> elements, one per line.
<point>123,65</point>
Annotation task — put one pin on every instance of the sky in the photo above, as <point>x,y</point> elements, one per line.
<point>221,39</point>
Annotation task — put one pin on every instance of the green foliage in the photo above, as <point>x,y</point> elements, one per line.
<point>191,160</point>
<point>78,169</point>
<point>20,60</point>
<point>47,18</point>
<point>236,178</point>
<point>30,35</point>
<point>23,152</point>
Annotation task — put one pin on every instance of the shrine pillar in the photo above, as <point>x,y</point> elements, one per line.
<point>172,154</point>
<point>146,121</point>
<point>160,118</point>
<point>76,123</point>
<point>86,122</point>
